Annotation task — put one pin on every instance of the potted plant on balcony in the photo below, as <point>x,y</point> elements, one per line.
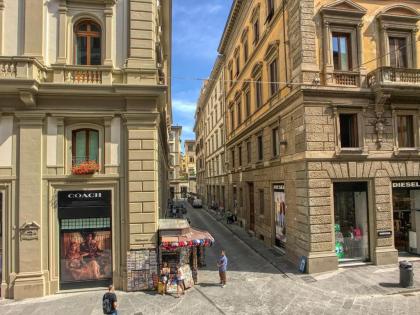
<point>85,168</point>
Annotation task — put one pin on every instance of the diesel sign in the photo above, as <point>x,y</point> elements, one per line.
<point>411,184</point>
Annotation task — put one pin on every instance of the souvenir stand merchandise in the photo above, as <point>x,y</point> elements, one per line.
<point>179,244</point>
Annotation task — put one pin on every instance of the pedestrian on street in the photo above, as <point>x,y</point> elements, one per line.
<point>179,281</point>
<point>164,273</point>
<point>222,264</point>
<point>109,302</point>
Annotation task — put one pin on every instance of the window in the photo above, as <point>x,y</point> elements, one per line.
<point>232,119</point>
<point>240,155</point>
<point>275,142</point>
<point>261,197</point>
<point>246,52</point>
<point>349,131</point>
<point>233,158</point>
<point>342,51</point>
<point>88,43</point>
<point>405,128</point>
<point>237,65</point>
<point>398,52</point>
<point>222,138</point>
<point>249,152</point>
<point>256,27</point>
<point>247,104</point>
<point>230,75</point>
<point>258,92</point>
<point>260,148</point>
<point>274,86</point>
<point>85,146</point>
<point>223,161</point>
<point>270,10</point>
<point>239,112</point>
<point>191,159</point>
<point>241,201</point>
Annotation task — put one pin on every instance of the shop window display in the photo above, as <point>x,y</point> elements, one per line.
<point>351,221</point>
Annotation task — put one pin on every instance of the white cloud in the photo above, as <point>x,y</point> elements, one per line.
<point>183,106</point>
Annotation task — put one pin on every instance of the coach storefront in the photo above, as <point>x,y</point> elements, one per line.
<point>406,214</point>
<point>85,244</point>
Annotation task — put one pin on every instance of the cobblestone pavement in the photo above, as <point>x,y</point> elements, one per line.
<point>255,286</point>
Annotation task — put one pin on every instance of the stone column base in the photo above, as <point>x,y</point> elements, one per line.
<point>28,285</point>
<point>321,262</point>
<point>386,256</point>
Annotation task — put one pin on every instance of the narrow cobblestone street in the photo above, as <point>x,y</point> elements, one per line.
<point>255,286</point>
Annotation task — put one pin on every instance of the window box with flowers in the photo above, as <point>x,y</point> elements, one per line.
<point>85,168</point>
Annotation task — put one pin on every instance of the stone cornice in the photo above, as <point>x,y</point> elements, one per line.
<point>230,25</point>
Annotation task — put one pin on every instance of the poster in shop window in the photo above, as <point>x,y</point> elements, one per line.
<point>280,214</point>
<point>86,256</point>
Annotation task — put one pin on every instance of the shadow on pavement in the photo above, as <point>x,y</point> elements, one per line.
<point>389,285</point>
<point>208,284</point>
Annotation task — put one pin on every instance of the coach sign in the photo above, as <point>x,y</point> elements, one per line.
<point>85,203</point>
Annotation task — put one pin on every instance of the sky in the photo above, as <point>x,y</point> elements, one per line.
<point>197,28</point>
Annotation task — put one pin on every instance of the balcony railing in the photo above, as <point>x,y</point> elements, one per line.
<point>29,68</point>
<point>397,76</point>
<point>347,78</point>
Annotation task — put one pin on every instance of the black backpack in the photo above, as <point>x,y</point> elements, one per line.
<point>107,304</point>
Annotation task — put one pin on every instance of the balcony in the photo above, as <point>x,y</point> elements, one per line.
<point>394,77</point>
<point>28,68</point>
<point>343,78</point>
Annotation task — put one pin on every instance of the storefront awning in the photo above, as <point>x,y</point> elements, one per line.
<point>190,238</point>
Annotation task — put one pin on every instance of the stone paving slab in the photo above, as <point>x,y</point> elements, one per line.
<point>363,280</point>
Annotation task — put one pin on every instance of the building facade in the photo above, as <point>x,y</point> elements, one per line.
<point>84,150</point>
<point>322,127</point>
<point>178,180</point>
<point>190,165</point>
<point>210,139</point>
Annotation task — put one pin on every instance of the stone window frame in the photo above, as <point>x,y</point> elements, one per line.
<point>338,19</point>
<point>395,24</point>
<point>362,149</point>
<point>245,43</point>
<point>69,16</point>
<point>406,111</point>
<point>246,89</point>
<point>68,144</point>
<point>237,59</point>
<point>255,17</point>
<point>257,75</point>
<point>272,54</point>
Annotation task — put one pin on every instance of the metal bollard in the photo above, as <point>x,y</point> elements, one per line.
<point>406,274</point>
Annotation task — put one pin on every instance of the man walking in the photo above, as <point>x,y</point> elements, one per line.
<point>222,264</point>
<point>109,302</point>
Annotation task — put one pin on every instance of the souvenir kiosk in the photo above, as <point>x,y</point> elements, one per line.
<point>182,245</point>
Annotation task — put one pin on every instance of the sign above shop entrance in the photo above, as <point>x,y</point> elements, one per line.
<point>406,184</point>
<point>84,204</point>
<point>384,233</point>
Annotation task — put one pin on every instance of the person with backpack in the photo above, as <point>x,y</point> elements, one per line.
<point>109,302</point>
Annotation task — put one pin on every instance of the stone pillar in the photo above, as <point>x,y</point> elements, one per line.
<point>141,47</point>
<point>30,281</point>
<point>142,194</point>
<point>385,252</point>
<point>1,26</point>
<point>327,48</point>
<point>62,34</point>
<point>34,31</point>
<point>414,44</point>
<point>108,36</point>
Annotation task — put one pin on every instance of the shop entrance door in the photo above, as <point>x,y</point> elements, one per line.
<point>85,238</point>
<point>251,207</point>
<point>351,221</point>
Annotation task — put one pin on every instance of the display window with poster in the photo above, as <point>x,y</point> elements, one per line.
<point>351,221</point>
<point>85,238</point>
<point>279,204</point>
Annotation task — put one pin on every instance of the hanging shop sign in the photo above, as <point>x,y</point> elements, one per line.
<point>406,184</point>
<point>384,234</point>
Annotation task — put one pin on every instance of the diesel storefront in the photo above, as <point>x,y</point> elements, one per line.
<point>406,215</point>
<point>85,238</point>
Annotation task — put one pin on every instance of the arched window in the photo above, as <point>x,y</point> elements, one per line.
<point>88,43</point>
<point>85,145</point>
